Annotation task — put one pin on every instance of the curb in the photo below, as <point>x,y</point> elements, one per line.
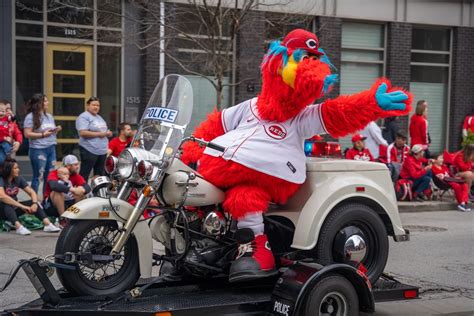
<point>428,206</point>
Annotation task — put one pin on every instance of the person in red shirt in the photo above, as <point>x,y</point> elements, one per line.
<point>463,162</point>
<point>413,169</point>
<point>358,151</point>
<point>54,202</point>
<point>419,127</point>
<point>441,171</point>
<point>118,144</point>
<point>468,125</point>
<point>14,131</point>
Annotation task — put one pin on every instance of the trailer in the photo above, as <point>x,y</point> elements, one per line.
<point>296,291</point>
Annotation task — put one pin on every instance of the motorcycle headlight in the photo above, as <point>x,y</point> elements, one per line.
<point>126,164</point>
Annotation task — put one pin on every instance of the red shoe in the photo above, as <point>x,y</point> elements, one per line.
<point>255,258</point>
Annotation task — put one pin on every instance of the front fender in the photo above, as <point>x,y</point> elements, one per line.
<point>97,208</point>
<point>331,188</point>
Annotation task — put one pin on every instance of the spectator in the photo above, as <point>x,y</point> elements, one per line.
<point>468,125</point>
<point>396,154</point>
<point>65,186</point>
<point>41,129</point>
<point>124,138</point>
<point>390,129</point>
<point>14,131</point>
<point>463,163</point>
<point>374,139</point>
<point>419,127</point>
<point>413,169</point>
<point>358,151</point>
<point>6,141</point>
<point>93,142</point>
<point>460,187</point>
<point>10,184</point>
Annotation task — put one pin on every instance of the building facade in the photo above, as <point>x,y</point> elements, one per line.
<point>73,49</point>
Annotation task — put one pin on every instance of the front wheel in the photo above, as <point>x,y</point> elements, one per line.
<point>333,296</point>
<point>354,233</point>
<point>98,278</point>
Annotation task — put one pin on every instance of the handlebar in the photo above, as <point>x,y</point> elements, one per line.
<point>202,142</point>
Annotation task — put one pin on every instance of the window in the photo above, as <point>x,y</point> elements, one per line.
<point>362,59</point>
<point>430,56</point>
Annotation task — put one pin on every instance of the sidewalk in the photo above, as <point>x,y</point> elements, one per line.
<point>428,206</point>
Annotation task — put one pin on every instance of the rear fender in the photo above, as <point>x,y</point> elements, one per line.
<point>293,287</point>
<point>97,208</point>
<point>333,188</point>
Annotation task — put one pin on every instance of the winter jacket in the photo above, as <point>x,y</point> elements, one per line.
<point>460,164</point>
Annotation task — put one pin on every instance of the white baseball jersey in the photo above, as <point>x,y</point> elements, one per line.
<point>273,148</point>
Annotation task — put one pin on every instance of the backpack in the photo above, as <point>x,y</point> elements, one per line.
<point>30,221</point>
<point>403,190</point>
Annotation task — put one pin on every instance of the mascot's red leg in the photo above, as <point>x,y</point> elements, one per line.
<point>255,259</point>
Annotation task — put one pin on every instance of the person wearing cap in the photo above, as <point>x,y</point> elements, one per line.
<point>373,139</point>
<point>396,154</point>
<point>414,170</point>
<point>358,151</point>
<point>54,202</point>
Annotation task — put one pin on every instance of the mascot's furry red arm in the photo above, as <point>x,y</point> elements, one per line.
<point>264,159</point>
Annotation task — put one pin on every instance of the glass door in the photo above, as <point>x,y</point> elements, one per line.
<point>68,86</point>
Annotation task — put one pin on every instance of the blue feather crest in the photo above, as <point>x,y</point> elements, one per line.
<point>276,49</point>
<point>324,58</point>
<point>329,81</point>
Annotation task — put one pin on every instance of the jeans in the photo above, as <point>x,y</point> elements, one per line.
<point>90,161</point>
<point>5,150</point>
<point>42,161</point>
<point>422,183</point>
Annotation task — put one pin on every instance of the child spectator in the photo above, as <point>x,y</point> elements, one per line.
<point>396,154</point>
<point>457,184</point>
<point>358,151</point>
<point>118,144</point>
<point>413,169</point>
<point>63,175</point>
<point>463,161</point>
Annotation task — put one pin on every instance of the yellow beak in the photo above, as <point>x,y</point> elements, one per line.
<point>288,73</point>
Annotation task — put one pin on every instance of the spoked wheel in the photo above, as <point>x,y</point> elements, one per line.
<point>102,277</point>
<point>354,233</point>
<point>333,296</point>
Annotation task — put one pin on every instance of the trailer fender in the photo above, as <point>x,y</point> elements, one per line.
<point>97,208</point>
<point>292,288</point>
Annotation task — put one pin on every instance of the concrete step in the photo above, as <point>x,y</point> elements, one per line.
<point>427,206</point>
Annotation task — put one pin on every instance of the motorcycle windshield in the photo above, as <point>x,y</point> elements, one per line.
<point>166,116</point>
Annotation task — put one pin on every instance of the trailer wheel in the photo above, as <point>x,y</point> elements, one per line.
<point>333,296</point>
<point>97,278</point>
<point>354,233</point>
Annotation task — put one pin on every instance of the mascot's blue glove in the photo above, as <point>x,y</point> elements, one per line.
<point>391,100</point>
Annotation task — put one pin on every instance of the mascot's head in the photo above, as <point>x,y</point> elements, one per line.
<point>295,73</point>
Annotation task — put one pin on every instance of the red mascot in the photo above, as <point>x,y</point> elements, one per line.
<point>264,160</point>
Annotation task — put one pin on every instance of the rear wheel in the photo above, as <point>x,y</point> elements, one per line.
<point>332,296</point>
<point>97,278</point>
<point>354,233</point>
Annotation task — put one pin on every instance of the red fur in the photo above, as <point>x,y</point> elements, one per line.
<point>347,114</point>
<point>207,130</point>
<point>229,174</point>
<point>278,101</point>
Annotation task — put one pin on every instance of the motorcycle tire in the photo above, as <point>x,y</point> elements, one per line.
<point>79,234</point>
<point>333,295</point>
<point>360,219</point>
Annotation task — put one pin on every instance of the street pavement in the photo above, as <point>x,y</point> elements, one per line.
<point>439,258</point>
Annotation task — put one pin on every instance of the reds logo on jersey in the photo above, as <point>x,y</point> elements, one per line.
<point>276,131</point>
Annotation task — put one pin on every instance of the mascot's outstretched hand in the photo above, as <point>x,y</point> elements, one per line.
<point>264,160</point>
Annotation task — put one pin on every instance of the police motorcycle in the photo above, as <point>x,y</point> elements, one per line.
<point>109,243</point>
